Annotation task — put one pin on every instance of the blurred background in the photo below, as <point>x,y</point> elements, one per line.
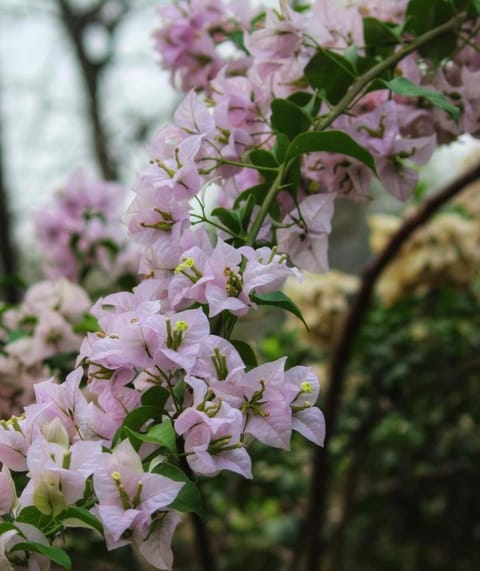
<point>80,85</point>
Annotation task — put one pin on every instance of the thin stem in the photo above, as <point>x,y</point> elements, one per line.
<point>269,199</point>
<point>215,225</point>
<point>362,82</point>
<point>313,529</point>
<point>223,161</point>
<point>206,559</point>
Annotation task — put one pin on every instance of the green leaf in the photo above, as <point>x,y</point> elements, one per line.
<point>280,147</point>
<point>246,212</point>
<point>246,353</point>
<point>289,118</point>
<point>229,218</point>
<point>55,554</point>
<point>83,515</point>
<point>16,334</point>
<point>34,516</point>
<point>156,397</point>
<point>136,419</point>
<point>264,161</point>
<point>331,74</point>
<point>162,434</point>
<point>189,498</point>
<point>88,324</point>
<point>310,102</point>
<point>403,86</point>
<point>380,38</point>
<point>259,192</point>
<point>112,247</point>
<point>7,526</point>
<point>236,37</point>
<point>179,390</point>
<point>329,142</point>
<point>422,16</point>
<point>280,300</point>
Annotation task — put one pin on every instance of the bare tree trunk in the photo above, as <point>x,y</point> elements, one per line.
<point>75,26</point>
<point>8,263</point>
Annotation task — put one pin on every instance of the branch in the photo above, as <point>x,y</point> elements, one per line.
<point>8,264</point>
<point>315,521</point>
<point>364,81</point>
<point>206,558</point>
<point>75,27</point>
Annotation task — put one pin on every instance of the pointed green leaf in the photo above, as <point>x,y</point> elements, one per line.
<point>265,162</point>
<point>161,434</point>
<point>280,300</point>
<point>189,498</point>
<point>229,218</point>
<point>88,324</point>
<point>259,192</point>
<point>380,38</point>
<point>310,102</point>
<point>76,513</point>
<point>136,419</point>
<point>422,16</point>
<point>7,526</point>
<point>280,147</point>
<point>34,516</point>
<point>289,118</point>
<point>156,397</point>
<point>331,74</point>
<point>246,353</point>
<point>246,212</point>
<point>403,86</point>
<point>329,142</point>
<point>55,554</point>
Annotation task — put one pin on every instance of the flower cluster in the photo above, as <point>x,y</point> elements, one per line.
<point>80,232</point>
<point>163,390</point>
<point>195,34</point>
<point>283,45</point>
<point>46,326</point>
<point>324,301</point>
<point>445,252</point>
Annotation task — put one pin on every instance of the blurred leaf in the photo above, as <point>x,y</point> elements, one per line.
<point>88,324</point>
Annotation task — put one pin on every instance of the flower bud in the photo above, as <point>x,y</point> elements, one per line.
<point>8,496</point>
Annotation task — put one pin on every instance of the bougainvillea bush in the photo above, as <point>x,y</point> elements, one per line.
<point>309,104</point>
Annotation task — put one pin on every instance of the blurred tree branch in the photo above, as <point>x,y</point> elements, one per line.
<point>313,529</point>
<point>8,263</point>
<point>76,25</point>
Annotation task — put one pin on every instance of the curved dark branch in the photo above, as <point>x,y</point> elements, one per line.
<point>316,518</point>
<point>205,555</point>
<point>75,26</point>
<point>8,266</point>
